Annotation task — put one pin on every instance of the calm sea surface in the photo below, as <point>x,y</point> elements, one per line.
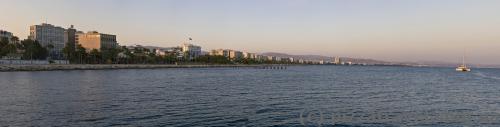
<point>297,96</point>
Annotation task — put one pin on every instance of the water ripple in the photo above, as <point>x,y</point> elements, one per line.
<point>329,96</point>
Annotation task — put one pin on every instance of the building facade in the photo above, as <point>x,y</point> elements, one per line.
<point>169,51</point>
<point>50,37</point>
<point>70,37</point>
<point>337,60</point>
<point>220,52</point>
<point>7,35</point>
<point>191,51</point>
<point>248,55</point>
<point>271,58</point>
<point>234,55</point>
<point>95,40</point>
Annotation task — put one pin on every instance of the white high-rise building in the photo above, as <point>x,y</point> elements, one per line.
<point>337,60</point>
<point>192,51</point>
<point>47,34</point>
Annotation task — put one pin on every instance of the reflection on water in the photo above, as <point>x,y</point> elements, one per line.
<point>300,95</point>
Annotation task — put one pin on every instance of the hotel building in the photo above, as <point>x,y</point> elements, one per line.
<point>95,40</point>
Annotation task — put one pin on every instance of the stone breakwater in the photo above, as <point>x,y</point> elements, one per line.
<point>53,67</point>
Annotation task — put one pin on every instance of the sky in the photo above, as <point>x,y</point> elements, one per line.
<point>390,30</point>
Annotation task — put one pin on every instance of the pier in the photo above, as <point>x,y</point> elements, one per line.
<point>273,67</point>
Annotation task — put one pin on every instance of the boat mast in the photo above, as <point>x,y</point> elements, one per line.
<point>463,59</point>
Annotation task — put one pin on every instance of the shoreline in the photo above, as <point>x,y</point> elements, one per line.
<point>58,67</point>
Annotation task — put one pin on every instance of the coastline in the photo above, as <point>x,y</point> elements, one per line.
<point>56,67</point>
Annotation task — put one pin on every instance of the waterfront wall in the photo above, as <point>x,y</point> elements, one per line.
<point>32,62</point>
<point>52,67</point>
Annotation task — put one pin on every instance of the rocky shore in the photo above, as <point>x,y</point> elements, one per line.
<point>53,67</point>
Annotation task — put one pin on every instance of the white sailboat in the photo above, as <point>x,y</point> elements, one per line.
<point>463,67</point>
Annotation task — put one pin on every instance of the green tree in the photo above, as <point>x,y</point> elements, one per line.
<point>69,53</point>
<point>14,39</point>
<point>110,55</point>
<point>95,56</point>
<point>3,43</point>
<point>49,48</point>
<point>33,50</point>
<point>9,48</point>
<point>209,59</point>
<point>81,54</point>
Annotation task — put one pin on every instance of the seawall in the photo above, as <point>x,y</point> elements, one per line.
<point>53,67</point>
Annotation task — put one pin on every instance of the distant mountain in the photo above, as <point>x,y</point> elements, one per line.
<point>449,64</point>
<point>432,63</point>
<point>304,57</point>
<point>326,58</point>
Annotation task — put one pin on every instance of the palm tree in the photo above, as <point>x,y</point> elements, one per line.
<point>14,39</point>
<point>50,47</point>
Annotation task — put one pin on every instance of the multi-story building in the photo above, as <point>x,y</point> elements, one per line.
<point>271,58</point>
<point>254,56</point>
<point>220,52</point>
<point>95,40</point>
<point>170,51</point>
<point>260,57</point>
<point>50,37</point>
<point>287,60</point>
<point>277,59</point>
<point>70,37</point>
<point>234,55</point>
<point>337,60</point>
<point>7,35</point>
<point>291,60</point>
<point>160,52</point>
<point>191,51</point>
<point>248,55</point>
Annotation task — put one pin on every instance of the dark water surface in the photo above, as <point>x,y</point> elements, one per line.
<point>300,95</point>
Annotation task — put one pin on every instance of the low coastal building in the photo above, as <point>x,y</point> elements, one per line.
<point>95,40</point>
<point>287,60</point>
<point>236,55</point>
<point>135,48</point>
<point>169,51</point>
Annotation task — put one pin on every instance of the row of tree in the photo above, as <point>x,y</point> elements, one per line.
<point>124,55</point>
<point>28,49</point>
<point>77,54</point>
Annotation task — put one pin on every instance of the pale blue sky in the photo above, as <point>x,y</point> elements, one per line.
<point>395,30</point>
